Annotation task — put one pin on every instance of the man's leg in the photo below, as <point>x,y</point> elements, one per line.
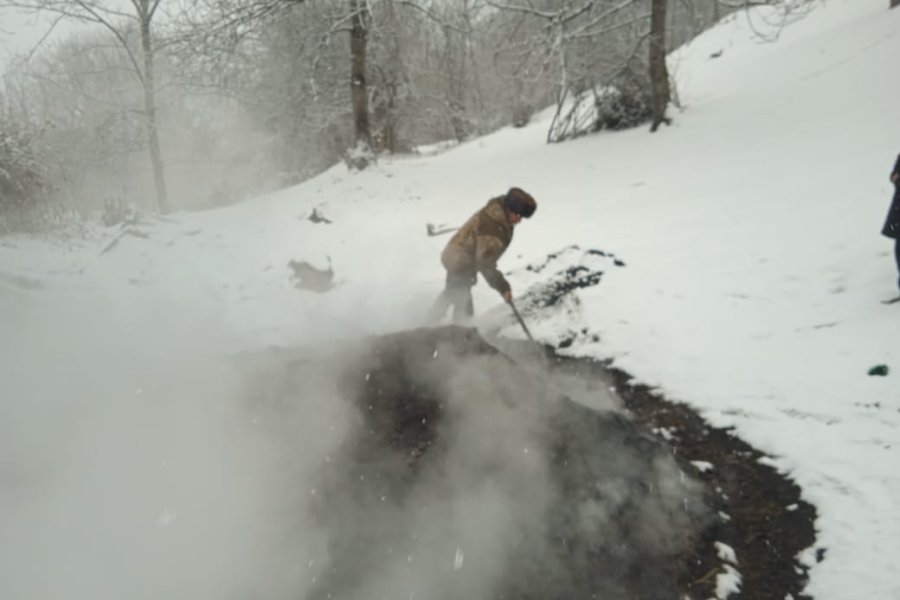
<point>439,308</point>
<point>463,308</point>
<point>441,303</point>
<point>460,287</point>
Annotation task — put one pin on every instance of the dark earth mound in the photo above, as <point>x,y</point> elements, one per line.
<point>762,515</point>
<point>764,518</point>
<point>602,510</point>
<point>768,523</point>
<point>467,472</point>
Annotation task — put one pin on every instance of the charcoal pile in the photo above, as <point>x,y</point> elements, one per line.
<point>468,475</point>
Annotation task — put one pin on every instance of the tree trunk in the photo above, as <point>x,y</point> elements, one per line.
<point>455,56</point>
<point>659,73</point>
<point>359,93</point>
<point>159,179</point>
<point>392,81</point>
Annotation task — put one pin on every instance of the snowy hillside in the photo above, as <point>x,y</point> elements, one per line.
<point>751,287</point>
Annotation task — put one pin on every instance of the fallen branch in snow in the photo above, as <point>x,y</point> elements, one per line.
<point>129,231</point>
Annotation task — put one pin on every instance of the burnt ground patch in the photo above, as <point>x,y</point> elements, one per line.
<point>470,472</point>
<point>763,516</point>
<point>460,446</point>
<point>765,520</point>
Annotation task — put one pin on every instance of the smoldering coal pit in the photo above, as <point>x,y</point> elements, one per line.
<point>458,472</point>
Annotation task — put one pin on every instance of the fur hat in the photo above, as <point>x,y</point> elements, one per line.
<point>520,202</point>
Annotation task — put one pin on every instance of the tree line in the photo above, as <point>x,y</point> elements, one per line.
<point>171,104</point>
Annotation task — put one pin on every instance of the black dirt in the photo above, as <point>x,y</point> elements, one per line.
<point>401,388</point>
<point>766,521</point>
<point>565,279</point>
<point>623,520</point>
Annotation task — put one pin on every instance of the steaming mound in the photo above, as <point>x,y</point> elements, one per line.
<point>466,475</point>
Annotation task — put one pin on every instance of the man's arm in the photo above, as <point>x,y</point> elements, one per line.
<point>487,252</point>
<point>895,174</point>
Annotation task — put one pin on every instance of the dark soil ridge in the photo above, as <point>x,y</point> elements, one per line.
<point>619,524</point>
<point>768,523</point>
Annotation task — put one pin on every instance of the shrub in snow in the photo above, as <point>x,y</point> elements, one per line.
<point>521,114</point>
<point>623,103</point>
<point>359,157</point>
<point>117,212</point>
<point>21,174</point>
<point>622,106</point>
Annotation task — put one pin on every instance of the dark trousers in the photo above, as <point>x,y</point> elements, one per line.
<point>458,294</point>
<point>897,256</point>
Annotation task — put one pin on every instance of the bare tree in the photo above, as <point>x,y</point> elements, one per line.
<point>145,10</point>
<point>382,73</point>
<point>659,74</point>
<point>591,48</point>
<point>359,92</point>
<point>419,72</point>
<point>224,25</point>
<point>120,22</point>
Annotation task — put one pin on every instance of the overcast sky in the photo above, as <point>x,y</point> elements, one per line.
<point>21,31</point>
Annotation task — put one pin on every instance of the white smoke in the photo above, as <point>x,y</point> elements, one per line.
<point>142,460</point>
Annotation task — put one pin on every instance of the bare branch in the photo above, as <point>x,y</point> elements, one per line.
<point>65,7</point>
<point>44,37</point>
<point>86,12</point>
<point>153,10</point>
<point>73,92</point>
<point>430,14</point>
<point>640,18</point>
<point>524,10</point>
<point>747,3</point>
<point>605,15</point>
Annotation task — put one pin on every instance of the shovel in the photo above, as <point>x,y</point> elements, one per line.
<point>538,350</point>
<point>521,322</point>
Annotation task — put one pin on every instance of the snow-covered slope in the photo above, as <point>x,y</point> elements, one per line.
<point>751,287</point>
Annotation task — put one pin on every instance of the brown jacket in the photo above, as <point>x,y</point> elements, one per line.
<point>479,243</point>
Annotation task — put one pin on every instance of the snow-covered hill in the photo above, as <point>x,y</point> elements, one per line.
<point>753,271</point>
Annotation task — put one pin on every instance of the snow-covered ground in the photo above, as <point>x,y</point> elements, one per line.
<point>751,290</point>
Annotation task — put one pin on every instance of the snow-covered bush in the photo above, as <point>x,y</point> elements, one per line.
<point>624,104</point>
<point>359,157</point>
<point>22,180</point>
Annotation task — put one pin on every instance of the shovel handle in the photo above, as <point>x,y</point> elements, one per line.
<point>519,319</point>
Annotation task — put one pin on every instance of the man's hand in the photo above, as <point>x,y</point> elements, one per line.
<point>895,177</point>
<point>507,296</point>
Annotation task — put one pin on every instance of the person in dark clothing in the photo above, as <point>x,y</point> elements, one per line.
<point>476,248</point>
<point>892,223</point>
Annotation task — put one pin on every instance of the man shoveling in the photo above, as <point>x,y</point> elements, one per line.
<point>476,248</point>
